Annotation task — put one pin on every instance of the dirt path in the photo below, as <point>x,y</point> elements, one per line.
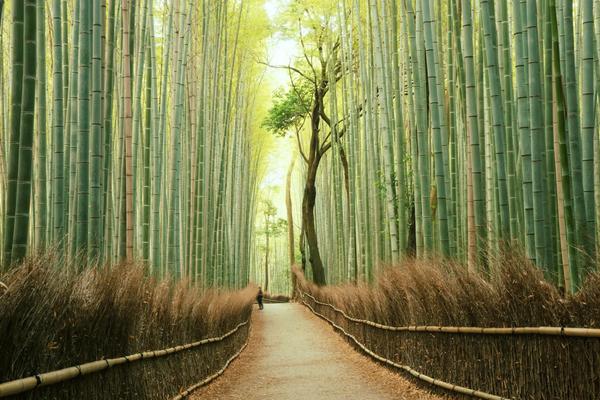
<point>292,354</point>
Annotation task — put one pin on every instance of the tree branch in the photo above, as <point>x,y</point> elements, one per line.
<point>290,68</point>
<point>300,146</point>
<point>327,145</point>
<point>314,81</point>
<point>299,95</point>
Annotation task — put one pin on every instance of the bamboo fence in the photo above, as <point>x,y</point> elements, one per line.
<point>527,355</point>
<point>525,330</point>
<point>413,372</point>
<point>51,378</point>
<point>189,390</point>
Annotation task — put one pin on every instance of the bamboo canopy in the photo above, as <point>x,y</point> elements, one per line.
<point>477,129</point>
<point>136,137</point>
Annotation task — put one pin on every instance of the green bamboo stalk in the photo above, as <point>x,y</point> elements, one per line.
<point>418,76</point>
<point>588,106</point>
<point>107,116</point>
<point>58,197</point>
<point>40,191</point>
<point>17,61</point>
<point>23,197</point>
<point>65,54</point>
<point>537,137</point>
<point>148,128</point>
<point>436,127</point>
<point>96,195</point>
<point>83,126</point>
<point>565,26</point>
<point>127,129</point>
<point>552,227</point>
<point>478,204</point>
<point>597,136</point>
<point>565,213</point>
<point>72,130</point>
<point>524,129</point>
<point>400,167</point>
<point>4,130</point>
<point>381,103</point>
<point>493,71</point>
<point>511,142</point>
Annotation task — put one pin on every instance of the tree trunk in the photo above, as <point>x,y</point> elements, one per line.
<point>266,285</point>
<point>302,247</point>
<point>308,219</point>
<point>290,220</point>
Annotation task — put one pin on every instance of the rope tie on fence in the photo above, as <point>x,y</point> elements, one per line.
<point>50,378</point>
<point>416,374</point>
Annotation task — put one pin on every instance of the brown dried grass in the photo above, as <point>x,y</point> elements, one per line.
<point>51,318</point>
<point>435,292</point>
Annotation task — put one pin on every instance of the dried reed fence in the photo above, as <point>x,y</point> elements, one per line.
<point>556,354</point>
<point>51,319</point>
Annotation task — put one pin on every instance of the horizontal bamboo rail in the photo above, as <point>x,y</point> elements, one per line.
<point>51,378</point>
<point>415,373</point>
<point>189,390</point>
<point>539,330</point>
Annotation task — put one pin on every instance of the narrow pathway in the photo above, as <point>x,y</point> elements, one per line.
<point>294,355</point>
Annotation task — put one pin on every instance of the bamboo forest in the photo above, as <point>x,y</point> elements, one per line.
<point>275,199</point>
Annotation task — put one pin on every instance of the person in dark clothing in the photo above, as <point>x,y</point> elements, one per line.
<point>259,298</point>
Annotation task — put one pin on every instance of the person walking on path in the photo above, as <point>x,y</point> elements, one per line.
<point>259,298</point>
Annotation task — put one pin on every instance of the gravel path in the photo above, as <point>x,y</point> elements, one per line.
<point>292,354</point>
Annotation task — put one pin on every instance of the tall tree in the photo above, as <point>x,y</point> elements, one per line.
<point>306,100</point>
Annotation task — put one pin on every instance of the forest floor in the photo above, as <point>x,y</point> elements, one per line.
<point>292,354</point>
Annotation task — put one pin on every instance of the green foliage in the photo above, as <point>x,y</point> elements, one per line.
<point>272,226</point>
<point>289,110</point>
